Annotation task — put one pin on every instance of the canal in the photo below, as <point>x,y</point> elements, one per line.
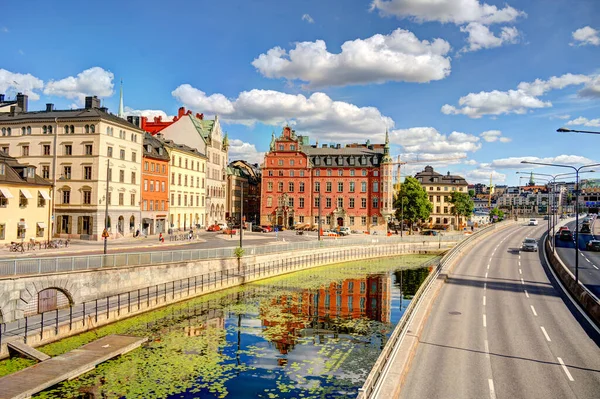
<point>311,334</point>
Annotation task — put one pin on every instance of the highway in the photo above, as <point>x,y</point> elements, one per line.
<point>502,328</point>
<point>589,262</point>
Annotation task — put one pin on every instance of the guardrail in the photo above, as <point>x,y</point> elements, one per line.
<point>27,266</point>
<point>400,330</point>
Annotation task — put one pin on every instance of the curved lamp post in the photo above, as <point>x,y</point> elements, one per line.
<point>576,204</point>
<point>565,130</point>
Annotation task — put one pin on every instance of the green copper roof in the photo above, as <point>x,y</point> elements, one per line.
<point>203,126</point>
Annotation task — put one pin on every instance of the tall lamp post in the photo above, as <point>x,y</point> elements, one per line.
<point>241,211</point>
<point>319,225</point>
<point>565,130</point>
<point>576,205</point>
<point>105,232</point>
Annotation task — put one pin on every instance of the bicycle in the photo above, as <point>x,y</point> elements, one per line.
<point>16,247</point>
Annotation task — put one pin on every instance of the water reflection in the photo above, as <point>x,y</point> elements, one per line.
<point>311,334</point>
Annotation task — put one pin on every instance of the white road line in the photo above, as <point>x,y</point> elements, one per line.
<point>486,274</point>
<point>487,348</point>
<point>588,260</point>
<point>546,334</point>
<point>488,266</point>
<point>522,282</point>
<point>492,391</point>
<point>526,294</point>
<point>519,256</point>
<point>569,376</point>
<point>533,310</point>
<point>484,286</point>
<point>484,321</point>
<point>519,263</point>
<point>520,271</point>
<point>484,300</point>
<point>596,267</point>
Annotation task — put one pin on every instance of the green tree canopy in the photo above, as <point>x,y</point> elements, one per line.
<point>496,212</point>
<point>462,205</point>
<point>471,193</point>
<point>416,202</point>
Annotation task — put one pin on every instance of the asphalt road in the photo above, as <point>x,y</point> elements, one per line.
<point>501,328</point>
<point>589,261</point>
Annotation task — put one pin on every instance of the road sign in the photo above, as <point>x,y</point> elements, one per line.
<point>105,234</point>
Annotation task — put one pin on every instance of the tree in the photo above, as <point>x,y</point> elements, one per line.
<point>416,202</point>
<point>471,193</point>
<point>496,212</point>
<point>462,205</point>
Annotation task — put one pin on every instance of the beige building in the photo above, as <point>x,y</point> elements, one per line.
<point>24,202</point>
<point>72,149</point>
<point>187,188</point>
<point>207,137</point>
<point>439,188</point>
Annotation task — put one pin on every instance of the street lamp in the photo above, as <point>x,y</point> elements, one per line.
<point>105,232</point>
<point>319,225</point>
<point>576,205</point>
<point>241,212</point>
<point>565,130</point>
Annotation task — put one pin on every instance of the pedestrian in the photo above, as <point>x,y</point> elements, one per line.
<point>191,234</point>
<point>161,238</point>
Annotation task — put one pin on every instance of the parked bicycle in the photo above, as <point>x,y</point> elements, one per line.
<point>16,247</point>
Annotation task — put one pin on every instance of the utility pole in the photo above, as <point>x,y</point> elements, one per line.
<point>241,211</point>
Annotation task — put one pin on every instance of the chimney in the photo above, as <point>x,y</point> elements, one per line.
<point>181,112</point>
<point>103,109</point>
<point>49,107</point>
<point>14,110</point>
<point>22,101</point>
<point>92,102</point>
<point>1,98</point>
<point>324,146</point>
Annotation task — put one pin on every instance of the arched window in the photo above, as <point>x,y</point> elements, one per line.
<point>4,131</point>
<point>23,131</point>
<point>28,129</point>
<point>8,131</point>
<point>66,129</point>
<point>44,129</point>
<point>87,128</point>
<point>93,128</point>
<point>72,128</point>
<point>49,129</point>
<point>108,130</point>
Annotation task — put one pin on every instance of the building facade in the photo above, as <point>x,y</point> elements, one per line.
<point>207,137</point>
<point>243,174</point>
<point>25,202</point>
<point>439,187</point>
<point>346,186</point>
<point>155,186</point>
<point>187,188</point>
<point>93,159</point>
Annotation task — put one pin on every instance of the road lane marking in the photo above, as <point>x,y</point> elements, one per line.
<point>526,294</point>
<point>487,348</point>
<point>546,334</point>
<point>569,376</point>
<point>484,300</point>
<point>484,321</point>
<point>492,391</point>
<point>520,271</point>
<point>486,274</point>
<point>533,310</point>
<point>519,256</point>
<point>519,263</point>
<point>522,282</point>
<point>596,267</point>
<point>488,266</point>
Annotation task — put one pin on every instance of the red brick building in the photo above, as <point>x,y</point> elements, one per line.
<point>351,184</point>
<point>155,186</point>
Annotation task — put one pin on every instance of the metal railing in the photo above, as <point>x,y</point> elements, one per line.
<point>400,330</point>
<point>28,266</point>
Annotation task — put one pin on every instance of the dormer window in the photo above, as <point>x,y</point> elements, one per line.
<point>375,161</point>
<point>281,147</point>
<point>328,161</point>
<point>351,160</point>
<point>30,172</point>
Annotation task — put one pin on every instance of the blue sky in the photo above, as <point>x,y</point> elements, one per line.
<point>487,81</point>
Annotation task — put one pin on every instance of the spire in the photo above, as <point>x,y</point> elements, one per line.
<point>531,181</point>
<point>272,146</point>
<point>225,142</point>
<point>121,113</point>
<point>386,148</point>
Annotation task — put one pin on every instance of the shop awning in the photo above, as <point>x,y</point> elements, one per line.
<point>6,193</point>
<point>26,193</point>
<point>41,225</point>
<point>45,195</point>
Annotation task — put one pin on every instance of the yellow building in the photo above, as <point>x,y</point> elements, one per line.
<point>72,148</point>
<point>24,202</point>
<point>439,189</point>
<point>187,188</point>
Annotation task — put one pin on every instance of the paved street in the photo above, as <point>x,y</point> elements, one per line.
<point>501,328</point>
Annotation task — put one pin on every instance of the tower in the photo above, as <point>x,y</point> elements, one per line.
<point>121,113</point>
<point>387,173</point>
<point>531,181</point>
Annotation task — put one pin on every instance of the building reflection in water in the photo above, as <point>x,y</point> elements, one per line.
<point>326,310</point>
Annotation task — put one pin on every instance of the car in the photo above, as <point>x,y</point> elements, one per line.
<point>430,233</point>
<point>565,235</point>
<point>533,222</point>
<point>267,229</point>
<point>563,228</point>
<point>593,245</point>
<point>585,228</point>
<point>529,245</point>
<point>258,229</point>
<point>345,231</point>
<point>222,226</point>
<point>213,227</point>
<point>546,217</point>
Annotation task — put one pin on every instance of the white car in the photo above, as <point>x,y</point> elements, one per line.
<point>533,222</point>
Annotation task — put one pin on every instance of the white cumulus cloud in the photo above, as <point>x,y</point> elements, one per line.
<point>581,121</point>
<point>480,36</point>
<point>482,175</point>
<point>149,113</point>
<point>455,11</point>
<point>586,36</point>
<point>308,18</point>
<point>399,56</point>
<point>317,114</point>
<point>427,143</point>
<point>92,82</point>
<point>239,149</point>
<point>494,135</point>
<point>19,82</point>
<point>521,100</point>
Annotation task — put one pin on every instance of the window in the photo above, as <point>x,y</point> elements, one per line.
<point>352,172</point>
<point>291,187</point>
<point>363,187</point>
<point>301,188</point>
<point>328,187</point>
<point>351,204</point>
<point>22,200</point>
<point>327,202</point>
<point>352,184</point>
<point>340,187</point>
<point>329,172</point>
<point>363,202</point>
<point>122,154</point>
<point>133,157</point>
<point>145,184</point>
<point>281,147</point>
<point>121,176</point>
<point>328,220</point>
<point>109,152</point>
<point>291,173</point>
<point>92,129</point>
<point>179,179</point>
<point>132,199</point>
<point>340,202</point>
<point>2,231</point>
<point>87,173</point>
<point>121,199</point>
<point>88,149</point>
<point>269,202</point>
<point>25,150</point>
<point>374,220</point>
<point>363,172</point>
<point>280,186</point>
<point>375,173</point>
<point>291,202</point>
<point>45,171</point>
<point>162,186</point>
<point>317,187</point>
<point>375,186</point>
<point>270,173</point>
<point>317,203</point>
<point>301,172</point>
<point>179,199</point>
<point>68,149</point>
<point>291,162</point>
<point>270,186</point>
<point>172,199</point>
<point>151,186</point>
<point>66,196</point>
<point>87,197</point>
<point>109,171</point>
<point>5,149</point>
<point>351,220</point>
<point>445,209</point>
<point>375,202</point>
<point>185,180</point>
<point>301,203</point>
<point>3,201</point>
<point>363,222</point>
<point>132,177</point>
<point>280,162</point>
<point>280,173</point>
<point>66,172</point>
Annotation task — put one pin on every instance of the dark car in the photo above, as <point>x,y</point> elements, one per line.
<point>258,229</point>
<point>593,245</point>
<point>430,233</point>
<point>565,235</point>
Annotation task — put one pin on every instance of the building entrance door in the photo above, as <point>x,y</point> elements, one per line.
<point>280,221</point>
<point>340,222</point>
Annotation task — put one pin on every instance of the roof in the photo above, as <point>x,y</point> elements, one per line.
<point>350,156</point>
<point>14,172</point>
<point>69,114</point>
<point>428,175</point>
<point>181,147</point>
<point>152,145</point>
<point>203,126</point>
